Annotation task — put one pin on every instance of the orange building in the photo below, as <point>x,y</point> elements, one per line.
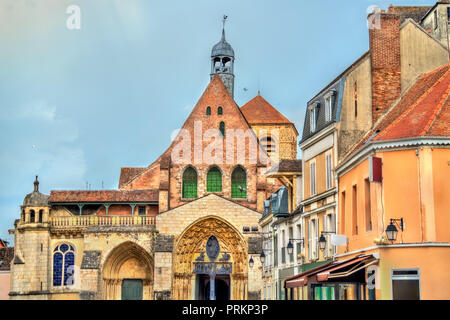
<point>399,176</point>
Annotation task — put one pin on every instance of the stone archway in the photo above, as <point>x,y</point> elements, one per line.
<point>193,241</point>
<point>128,261</point>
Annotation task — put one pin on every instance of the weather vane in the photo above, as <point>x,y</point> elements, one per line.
<point>224,19</point>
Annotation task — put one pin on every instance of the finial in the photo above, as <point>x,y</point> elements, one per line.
<point>36,185</point>
<point>223,27</point>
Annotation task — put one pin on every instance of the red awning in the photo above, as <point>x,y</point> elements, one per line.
<point>336,271</point>
<point>301,279</point>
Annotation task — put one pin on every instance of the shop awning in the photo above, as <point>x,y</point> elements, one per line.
<point>334,269</point>
<point>301,279</point>
<point>346,268</point>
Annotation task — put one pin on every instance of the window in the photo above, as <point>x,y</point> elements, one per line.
<point>238,183</point>
<point>342,222</point>
<point>214,180</point>
<point>329,176</point>
<point>291,236</point>
<point>329,225</point>
<point>63,265</point>
<point>23,215</point>
<point>448,14</point>
<point>405,284</point>
<point>355,210</point>
<point>190,183</point>
<point>208,111</point>
<point>329,98</point>
<point>313,237</point>
<point>275,250</point>
<point>367,206</point>
<point>268,143</point>
<point>222,128</point>
<point>41,214</point>
<point>435,19</point>
<point>312,178</point>
<point>32,216</point>
<point>313,117</point>
<point>141,210</point>
<point>219,111</point>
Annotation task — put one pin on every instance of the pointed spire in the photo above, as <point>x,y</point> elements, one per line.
<point>36,185</point>
<point>223,28</point>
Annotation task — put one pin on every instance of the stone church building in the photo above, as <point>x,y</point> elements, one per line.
<point>183,227</point>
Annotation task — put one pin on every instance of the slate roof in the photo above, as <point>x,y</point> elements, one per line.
<point>6,256</point>
<point>258,110</point>
<point>423,111</point>
<point>148,195</point>
<point>286,165</point>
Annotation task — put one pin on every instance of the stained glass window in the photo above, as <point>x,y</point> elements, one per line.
<point>208,111</point>
<point>190,183</point>
<point>63,265</point>
<point>214,180</point>
<point>238,183</point>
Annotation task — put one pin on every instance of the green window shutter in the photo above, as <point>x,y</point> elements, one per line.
<point>214,180</point>
<point>239,183</point>
<point>190,183</point>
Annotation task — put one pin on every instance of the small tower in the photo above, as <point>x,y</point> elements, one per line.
<point>222,61</point>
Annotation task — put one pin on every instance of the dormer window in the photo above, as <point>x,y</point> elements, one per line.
<point>329,100</point>
<point>313,113</point>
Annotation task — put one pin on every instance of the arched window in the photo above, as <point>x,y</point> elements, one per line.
<point>238,183</point>
<point>222,128</point>
<point>208,111</point>
<point>190,183</point>
<point>214,180</point>
<point>23,215</point>
<point>219,111</point>
<point>32,216</point>
<point>41,214</point>
<point>63,265</point>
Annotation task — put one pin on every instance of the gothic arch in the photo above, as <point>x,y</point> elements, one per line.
<point>127,261</point>
<point>193,240</point>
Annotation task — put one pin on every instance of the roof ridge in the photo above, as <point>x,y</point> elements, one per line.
<point>410,108</point>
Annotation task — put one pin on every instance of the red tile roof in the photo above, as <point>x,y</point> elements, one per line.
<point>422,111</point>
<point>286,165</point>
<point>149,195</point>
<point>258,110</point>
<point>127,174</point>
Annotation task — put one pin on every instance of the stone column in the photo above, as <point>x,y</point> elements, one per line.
<point>212,286</point>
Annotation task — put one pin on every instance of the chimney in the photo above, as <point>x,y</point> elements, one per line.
<point>384,38</point>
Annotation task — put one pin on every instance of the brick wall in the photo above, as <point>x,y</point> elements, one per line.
<point>385,60</point>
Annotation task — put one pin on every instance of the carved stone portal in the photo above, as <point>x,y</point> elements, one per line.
<point>192,243</point>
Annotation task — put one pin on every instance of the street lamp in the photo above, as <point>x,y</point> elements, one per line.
<point>323,240</point>
<point>251,262</point>
<point>262,257</point>
<point>290,246</point>
<point>391,229</point>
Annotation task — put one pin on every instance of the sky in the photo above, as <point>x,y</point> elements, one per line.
<point>78,104</point>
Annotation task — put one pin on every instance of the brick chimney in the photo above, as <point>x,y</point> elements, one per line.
<point>384,38</point>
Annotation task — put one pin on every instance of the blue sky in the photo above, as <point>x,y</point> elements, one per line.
<point>76,105</point>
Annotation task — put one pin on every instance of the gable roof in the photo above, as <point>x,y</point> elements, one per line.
<point>285,166</point>
<point>149,195</point>
<point>128,173</point>
<point>422,111</point>
<point>259,111</point>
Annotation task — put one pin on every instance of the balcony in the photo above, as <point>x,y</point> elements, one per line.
<point>81,222</point>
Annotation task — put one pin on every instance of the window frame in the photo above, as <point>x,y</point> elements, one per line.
<point>312,182</point>
<point>235,192</point>
<point>183,181</point>
<point>56,250</point>
<point>209,176</point>
<point>329,170</point>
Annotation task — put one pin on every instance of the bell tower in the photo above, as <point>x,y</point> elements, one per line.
<point>222,61</point>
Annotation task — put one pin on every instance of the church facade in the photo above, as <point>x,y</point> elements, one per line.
<point>184,227</point>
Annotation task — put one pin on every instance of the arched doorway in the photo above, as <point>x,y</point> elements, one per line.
<point>128,273</point>
<point>229,270</point>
